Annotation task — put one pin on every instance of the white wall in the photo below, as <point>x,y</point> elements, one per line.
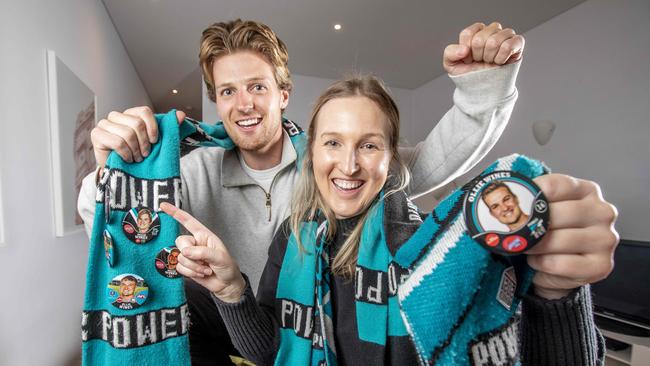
<point>587,70</point>
<point>43,277</point>
<point>305,91</point>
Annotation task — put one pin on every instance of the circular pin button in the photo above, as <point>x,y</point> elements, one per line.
<point>109,251</point>
<point>506,212</point>
<point>492,239</point>
<point>141,225</point>
<point>166,262</point>
<point>127,291</point>
<point>514,243</point>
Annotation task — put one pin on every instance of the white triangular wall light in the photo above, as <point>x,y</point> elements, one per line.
<point>543,130</point>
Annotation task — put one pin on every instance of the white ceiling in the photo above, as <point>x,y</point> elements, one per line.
<point>400,41</point>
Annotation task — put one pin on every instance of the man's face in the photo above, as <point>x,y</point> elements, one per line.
<point>127,288</point>
<point>503,205</point>
<point>172,260</point>
<point>144,221</point>
<point>249,101</point>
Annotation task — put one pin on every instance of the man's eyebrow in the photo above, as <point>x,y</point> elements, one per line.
<point>257,78</point>
<point>231,83</point>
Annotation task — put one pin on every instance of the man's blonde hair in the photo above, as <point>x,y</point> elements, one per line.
<point>225,38</point>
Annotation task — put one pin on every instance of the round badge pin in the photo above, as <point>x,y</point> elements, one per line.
<point>128,291</point>
<point>166,262</point>
<point>506,212</point>
<point>141,225</point>
<point>109,249</point>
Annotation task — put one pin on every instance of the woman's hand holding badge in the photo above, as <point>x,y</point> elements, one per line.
<point>579,247</point>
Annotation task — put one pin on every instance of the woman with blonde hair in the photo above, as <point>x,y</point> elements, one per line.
<point>328,291</point>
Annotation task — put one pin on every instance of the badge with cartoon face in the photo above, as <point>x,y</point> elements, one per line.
<point>506,212</point>
<point>127,291</point>
<point>166,262</point>
<point>141,225</point>
<point>109,251</point>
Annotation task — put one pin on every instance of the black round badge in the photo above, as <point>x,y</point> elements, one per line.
<point>166,262</point>
<point>141,225</point>
<point>506,212</point>
<point>127,291</point>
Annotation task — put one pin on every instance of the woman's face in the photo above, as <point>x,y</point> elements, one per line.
<point>351,154</point>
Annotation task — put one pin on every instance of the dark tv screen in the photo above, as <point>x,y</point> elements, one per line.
<point>626,292</point>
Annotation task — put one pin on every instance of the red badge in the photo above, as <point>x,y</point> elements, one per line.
<point>492,240</point>
<point>514,243</point>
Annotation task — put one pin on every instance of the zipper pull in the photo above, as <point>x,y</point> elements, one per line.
<point>268,205</point>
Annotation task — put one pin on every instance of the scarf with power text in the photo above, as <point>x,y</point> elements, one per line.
<point>305,279</point>
<point>135,310</point>
<point>429,279</point>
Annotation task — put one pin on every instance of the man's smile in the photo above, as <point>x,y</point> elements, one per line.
<point>249,123</point>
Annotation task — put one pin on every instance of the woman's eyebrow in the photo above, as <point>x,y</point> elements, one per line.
<point>338,134</point>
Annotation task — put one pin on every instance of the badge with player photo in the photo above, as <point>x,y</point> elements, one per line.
<point>166,262</point>
<point>141,225</point>
<point>506,212</point>
<point>127,291</point>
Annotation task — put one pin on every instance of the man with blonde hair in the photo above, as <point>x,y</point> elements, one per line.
<point>127,289</point>
<point>244,194</point>
<point>144,220</point>
<point>504,205</point>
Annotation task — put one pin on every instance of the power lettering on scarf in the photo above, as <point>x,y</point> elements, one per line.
<point>496,348</point>
<point>296,316</point>
<point>375,287</point>
<point>132,331</point>
<point>128,191</point>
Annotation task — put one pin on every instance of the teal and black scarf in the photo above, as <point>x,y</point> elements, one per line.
<point>151,327</point>
<point>303,293</point>
<point>435,284</point>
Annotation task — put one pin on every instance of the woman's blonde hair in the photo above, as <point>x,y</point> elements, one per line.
<point>307,200</point>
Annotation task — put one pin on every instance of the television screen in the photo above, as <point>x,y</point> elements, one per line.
<point>626,292</point>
